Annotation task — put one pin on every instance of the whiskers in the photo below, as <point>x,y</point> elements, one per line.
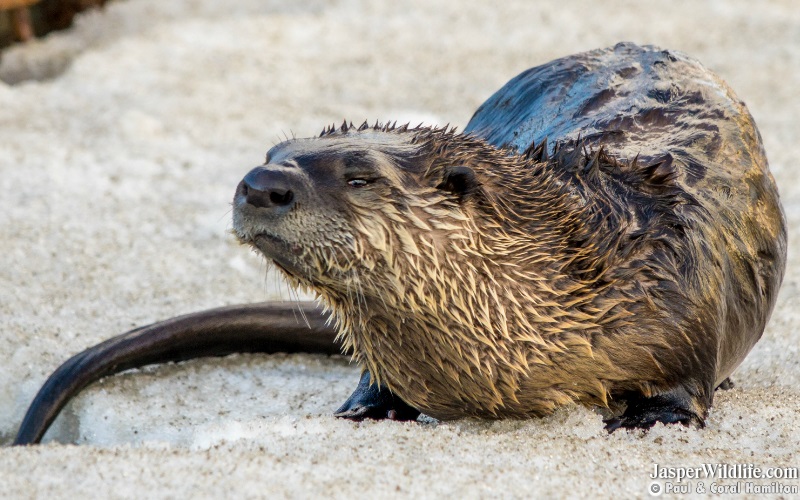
<point>279,283</point>
<point>296,299</point>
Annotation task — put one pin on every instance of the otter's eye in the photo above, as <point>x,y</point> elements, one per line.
<point>357,183</point>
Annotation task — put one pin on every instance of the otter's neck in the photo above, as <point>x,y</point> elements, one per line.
<point>458,328</point>
<point>456,318</point>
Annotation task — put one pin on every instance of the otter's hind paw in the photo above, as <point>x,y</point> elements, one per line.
<point>667,408</point>
<point>726,385</point>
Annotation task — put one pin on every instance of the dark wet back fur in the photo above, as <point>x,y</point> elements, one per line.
<point>694,181</point>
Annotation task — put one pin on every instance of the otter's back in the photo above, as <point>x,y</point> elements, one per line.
<point>664,106</point>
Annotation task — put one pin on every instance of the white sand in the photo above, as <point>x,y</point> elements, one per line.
<point>116,173</point>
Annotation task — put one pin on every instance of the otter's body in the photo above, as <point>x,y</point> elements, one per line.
<point>665,107</point>
<point>636,259</point>
<point>713,258</point>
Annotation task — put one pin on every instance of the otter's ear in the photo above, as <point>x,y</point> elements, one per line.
<point>459,180</point>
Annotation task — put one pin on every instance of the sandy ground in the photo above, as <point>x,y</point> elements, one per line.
<point>122,141</point>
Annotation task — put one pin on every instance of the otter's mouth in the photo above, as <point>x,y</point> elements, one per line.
<point>270,239</point>
<point>280,251</point>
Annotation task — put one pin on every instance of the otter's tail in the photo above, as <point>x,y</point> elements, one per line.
<point>264,327</point>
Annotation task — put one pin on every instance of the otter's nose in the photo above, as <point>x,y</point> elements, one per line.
<point>266,188</point>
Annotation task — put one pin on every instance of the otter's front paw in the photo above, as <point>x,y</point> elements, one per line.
<point>375,402</point>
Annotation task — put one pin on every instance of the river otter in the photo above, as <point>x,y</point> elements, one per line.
<point>632,262</point>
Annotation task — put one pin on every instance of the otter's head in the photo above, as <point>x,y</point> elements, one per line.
<point>352,210</point>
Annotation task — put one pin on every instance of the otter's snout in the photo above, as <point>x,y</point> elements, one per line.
<point>266,188</point>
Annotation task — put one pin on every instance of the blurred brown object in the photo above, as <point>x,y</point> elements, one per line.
<point>13,4</point>
<point>30,18</point>
<point>20,17</point>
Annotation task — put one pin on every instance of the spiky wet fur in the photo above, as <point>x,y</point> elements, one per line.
<point>554,280</point>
